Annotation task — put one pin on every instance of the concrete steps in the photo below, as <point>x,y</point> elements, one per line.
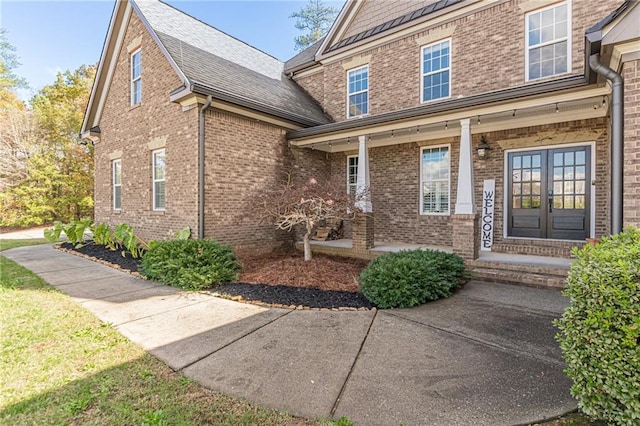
<point>537,247</point>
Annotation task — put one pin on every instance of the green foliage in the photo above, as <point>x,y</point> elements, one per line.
<point>315,19</point>
<point>102,234</point>
<point>74,231</point>
<point>410,278</point>
<point>183,234</point>
<point>124,236</point>
<point>600,330</point>
<point>9,62</point>
<point>56,179</point>
<point>190,264</point>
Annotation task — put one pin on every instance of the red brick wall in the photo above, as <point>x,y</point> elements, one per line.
<point>631,75</point>
<point>129,129</point>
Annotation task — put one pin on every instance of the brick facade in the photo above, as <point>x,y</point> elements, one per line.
<point>480,41</point>
<point>126,132</point>
<point>631,75</point>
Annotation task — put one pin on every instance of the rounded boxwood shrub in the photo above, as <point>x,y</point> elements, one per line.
<point>600,330</point>
<point>190,264</point>
<point>410,278</point>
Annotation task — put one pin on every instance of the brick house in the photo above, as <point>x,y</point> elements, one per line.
<point>479,125</point>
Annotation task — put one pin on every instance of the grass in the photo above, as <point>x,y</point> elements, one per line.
<point>9,244</point>
<point>61,365</point>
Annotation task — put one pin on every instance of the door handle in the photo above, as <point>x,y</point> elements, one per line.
<point>550,201</point>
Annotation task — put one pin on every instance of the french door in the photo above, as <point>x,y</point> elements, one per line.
<point>549,193</point>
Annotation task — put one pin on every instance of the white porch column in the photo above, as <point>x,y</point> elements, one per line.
<point>464,201</point>
<point>362,183</point>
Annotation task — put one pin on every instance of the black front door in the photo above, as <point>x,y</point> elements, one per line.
<point>549,193</point>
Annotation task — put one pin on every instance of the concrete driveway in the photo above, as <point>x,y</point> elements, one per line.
<point>486,356</point>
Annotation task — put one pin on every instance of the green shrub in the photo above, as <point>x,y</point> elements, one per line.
<point>600,330</point>
<point>410,278</point>
<point>190,264</point>
<point>74,231</point>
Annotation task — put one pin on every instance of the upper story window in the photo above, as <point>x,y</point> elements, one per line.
<point>436,71</point>
<point>435,168</point>
<point>117,184</point>
<point>136,77</point>
<point>548,42</point>
<point>352,174</point>
<point>159,167</point>
<point>358,92</point>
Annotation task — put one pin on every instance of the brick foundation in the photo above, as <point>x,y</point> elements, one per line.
<point>466,235</point>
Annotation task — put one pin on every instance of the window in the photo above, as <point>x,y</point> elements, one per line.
<point>136,78</point>
<point>117,184</point>
<point>352,174</point>
<point>547,33</point>
<point>358,88</point>
<point>436,71</point>
<point>434,180</point>
<point>158,179</point>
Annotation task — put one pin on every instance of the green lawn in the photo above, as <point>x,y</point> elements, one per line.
<point>61,365</point>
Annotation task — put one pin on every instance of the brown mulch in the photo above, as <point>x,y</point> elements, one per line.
<point>322,272</point>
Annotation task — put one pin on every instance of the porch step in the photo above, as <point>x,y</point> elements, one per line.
<point>539,271</point>
<point>537,247</point>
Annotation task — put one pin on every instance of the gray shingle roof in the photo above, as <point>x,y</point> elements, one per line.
<point>306,57</point>
<point>224,64</point>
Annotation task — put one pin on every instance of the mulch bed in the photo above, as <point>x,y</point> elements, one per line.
<point>279,280</point>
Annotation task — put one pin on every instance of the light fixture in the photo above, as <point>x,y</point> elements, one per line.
<point>418,129</point>
<point>478,119</point>
<point>604,100</point>
<point>392,133</point>
<point>483,147</point>
<point>349,140</point>
<point>446,125</point>
<point>557,109</point>
<point>514,113</point>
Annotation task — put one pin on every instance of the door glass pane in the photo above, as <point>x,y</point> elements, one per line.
<point>557,159</point>
<point>557,201</point>
<point>526,203</point>
<point>535,160</point>
<point>526,188</point>
<point>557,188</point>
<point>535,202</point>
<point>535,175</point>
<point>535,190</point>
<point>516,175</point>
<point>557,173</point>
<point>580,172</point>
<point>516,203</point>
<point>526,175</point>
<point>568,187</point>
<point>580,202</point>
<point>517,163</point>
<point>580,157</point>
<point>568,173</point>
<point>568,158</point>
<point>517,189</point>
<point>526,161</point>
<point>568,202</point>
<point>580,186</point>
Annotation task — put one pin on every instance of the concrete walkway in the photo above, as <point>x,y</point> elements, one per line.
<point>486,356</point>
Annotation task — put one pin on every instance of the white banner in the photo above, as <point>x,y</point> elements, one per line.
<point>486,218</point>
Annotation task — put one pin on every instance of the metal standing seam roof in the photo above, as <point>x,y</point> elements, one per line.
<point>210,58</point>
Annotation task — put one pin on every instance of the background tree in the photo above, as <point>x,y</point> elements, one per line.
<point>58,184</point>
<point>307,204</point>
<point>315,19</point>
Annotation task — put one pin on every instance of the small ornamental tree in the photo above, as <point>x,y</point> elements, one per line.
<point>306,204</point>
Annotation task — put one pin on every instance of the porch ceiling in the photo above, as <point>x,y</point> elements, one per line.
<point>585,104</point>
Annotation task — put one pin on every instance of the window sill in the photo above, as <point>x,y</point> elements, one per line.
<point>132,107</point>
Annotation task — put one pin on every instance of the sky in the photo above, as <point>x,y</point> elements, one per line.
<point>52,36</point>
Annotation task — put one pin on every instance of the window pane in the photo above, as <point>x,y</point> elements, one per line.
<point>117,197</point>
<point>580,187</point>
<point>550,29</point>
<point>436,76</point>
<point>558,188</point>
<point>158,166</point>
<point>568,187</point>
<point>568,158</point>
<point>580,202</point>
<point>159,201</point>
<point>580,157</point>
<point>568,202</point>
<point>435,180</point>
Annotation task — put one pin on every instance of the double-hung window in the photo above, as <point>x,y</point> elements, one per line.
<point>159,167</point>
<point>435,167</point>
<point>352,174</point>
<point>136,77</point>
<point>116,167</point>
<point>548,42</point>
<point>358,92</point>
<point>436,71</point>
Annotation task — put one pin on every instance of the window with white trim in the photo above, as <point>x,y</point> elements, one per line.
<point>136,77</point>
<point>548,39</point>
<point>358,92</point>
<point>435,168</point>
<point>116,167</point>
<point>436,71</point>
<point>158,164</point>
<point>352,174</point>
